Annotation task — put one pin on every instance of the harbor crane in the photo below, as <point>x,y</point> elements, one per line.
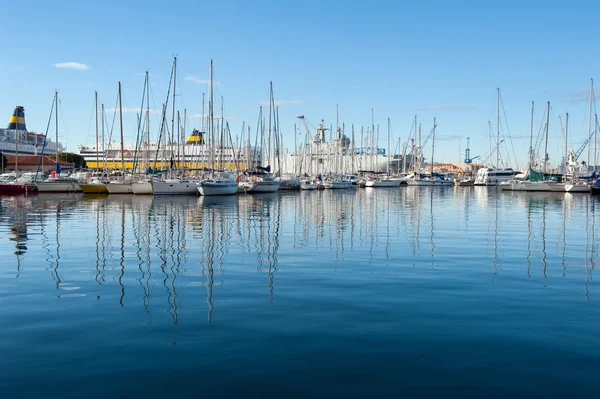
<point>468,159</point>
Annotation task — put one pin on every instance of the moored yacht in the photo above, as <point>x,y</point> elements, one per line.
<point>220,184</point>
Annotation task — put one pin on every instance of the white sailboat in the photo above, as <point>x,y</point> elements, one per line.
<point>57,184</point>
<point>121,185</point>
<point>307,184</point>
<point>222,182</point>
<point>384,181</point>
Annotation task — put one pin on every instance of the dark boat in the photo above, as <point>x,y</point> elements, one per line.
<point>596,188</point>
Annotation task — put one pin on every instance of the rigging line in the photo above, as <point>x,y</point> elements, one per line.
<point>45,137</point>
<point>63,120</point>
<point>508,129</point>
<point>139,120</point>
<point>164,115</point>
<point>113,123</point>
<point>538,141</point>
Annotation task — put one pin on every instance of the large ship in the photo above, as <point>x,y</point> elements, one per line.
<point>194,154</point>
<point>16,137</point>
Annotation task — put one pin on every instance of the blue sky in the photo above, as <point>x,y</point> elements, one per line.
<point>432,59</point>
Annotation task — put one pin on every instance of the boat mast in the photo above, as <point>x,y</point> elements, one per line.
<point>546,145</point>
<point>590,120</point>
<point>121,128</point>
<point>566,162</point>
<point>173,113</point>
<point>388,155</point>
<point>596,145</point>
<point>56,120</point>
<point>498,128</point>
<point>210,123</point>
<point>146,158</point>
<point>531,138</point>
<point>432,147</point>
<point>103,153</point>
<point>96,102</point>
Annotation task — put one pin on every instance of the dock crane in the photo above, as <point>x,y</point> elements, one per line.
<point>468,159</point>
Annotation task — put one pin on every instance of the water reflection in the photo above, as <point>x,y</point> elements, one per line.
<point>152,252</point>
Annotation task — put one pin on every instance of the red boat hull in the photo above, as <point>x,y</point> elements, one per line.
<point>16,188</point>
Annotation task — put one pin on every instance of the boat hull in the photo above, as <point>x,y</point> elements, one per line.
<point>430,183</point>
<point>577,188</point>
<point>57,187</point>
<point>383,183</point>
<point>17,188</point>
<point>93,188</point>
<point>174,188</point>
<point>289,185</point>
<point>142,188</point>
<point>265,187</point>
<point>212,189</point>
<point>119,188</point>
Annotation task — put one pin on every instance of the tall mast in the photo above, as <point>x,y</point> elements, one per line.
<point>270,117</point>
<point>388,155</point>
<point>498,128</point>
<point>204,135</point>
<point>531,138</point>
<point>146,158</point>
<point>56,119</point>
<point>432,147</point>
<point>121,128</point>
<point>174,86</point>
<point>178,138</point>
<point>590,120</point>
<point>566,162</point>
<point>103,152</point>
<point>183,133</point>
<point>546,146</point>
<point>248,148</point>
<point>222,136</point>
<point>490,138</point>
<point>596,145</point>
<point>211,122</point>
<point>97,149</point>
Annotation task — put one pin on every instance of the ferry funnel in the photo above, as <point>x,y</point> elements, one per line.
<point>196,138</point>
<point>17,120</point>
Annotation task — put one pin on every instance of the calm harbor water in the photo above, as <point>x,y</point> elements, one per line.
<point>369,292</point>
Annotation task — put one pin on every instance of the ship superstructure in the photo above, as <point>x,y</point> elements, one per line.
<point>29,143</point>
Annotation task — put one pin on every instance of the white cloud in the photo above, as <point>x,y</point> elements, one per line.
<point>578,96</point>
<point>446,108</point>
<point>72,65</point>
<point>283,102</point>
<point>201,81</point>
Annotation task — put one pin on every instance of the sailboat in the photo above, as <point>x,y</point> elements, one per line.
<point>95,185</point>
<point>262,181</point>
<point>174,185</point>
<point>143,186</point>
<point>492,176</point>
<point>384,181</point>
<point>120,185</point>
<point>416,180</point>
<point>219,183</point>
<point>57,184</point>
<point>533,180</point>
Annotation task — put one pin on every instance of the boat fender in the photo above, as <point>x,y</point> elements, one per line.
<point>254,179</point>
